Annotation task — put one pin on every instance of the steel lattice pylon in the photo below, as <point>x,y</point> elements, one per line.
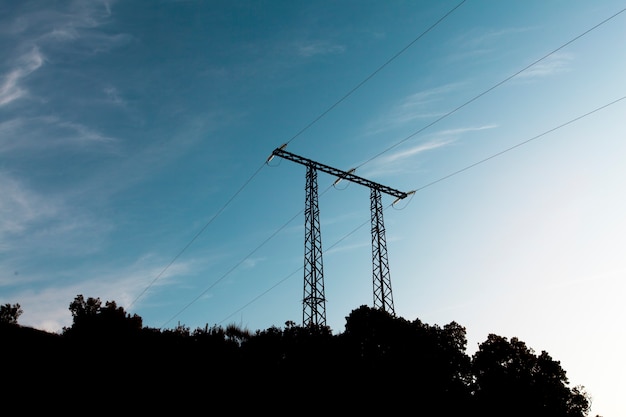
<point>314,301</point>
<point>383,297</point>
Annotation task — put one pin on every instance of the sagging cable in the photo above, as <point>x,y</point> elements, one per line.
<point>402,198</point>
<point>283,146</point>
<point>342,177</point>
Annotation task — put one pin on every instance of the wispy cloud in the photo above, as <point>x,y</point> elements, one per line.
<point>19,207</point>
<point>415,150</point>
<point>113,96</point>
<point>40,134</point>
<point>462,130</point>
<point>252,262</point>
<point>11,88</point>
<point>318,48</point>
<point>62,21</point>
<point>479,38</point>
<point>554,64</point>
<point>81,134</point>
<point>9,131</point>
<point>347,247</point>
<point>59,29</point>
<point>481,42</point>
<point>403,161</point>
<point>48,308</point>
<point>46,224</point>
<point>416,106</point>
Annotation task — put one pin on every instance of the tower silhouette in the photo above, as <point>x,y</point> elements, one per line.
<point>314,300</point>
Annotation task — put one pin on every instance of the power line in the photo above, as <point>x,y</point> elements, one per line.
<point>474,99</point>
<point>238,264</point>
<point>231,269</point>
<point>197,235</point>
<point>297,270</point>
<point>519,144</point>
<point>291,139</point>
<point>436,182</point>
<point>491,88</point>
<point>359,85</point>
<point>397,143</point>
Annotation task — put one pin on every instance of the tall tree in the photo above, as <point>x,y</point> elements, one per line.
<point>93,319</point>
<point>418,366</point>
<point>10,313</point>
<point>510,379</point>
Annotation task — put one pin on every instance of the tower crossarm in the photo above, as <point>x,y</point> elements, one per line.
<point>341,175</point>
<point>314,300</point>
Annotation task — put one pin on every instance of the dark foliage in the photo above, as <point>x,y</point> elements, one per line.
<point>511,379</point>
<point>9,314</point>
<point>380,364</point>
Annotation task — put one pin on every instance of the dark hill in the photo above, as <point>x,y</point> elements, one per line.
<point>108,362</point>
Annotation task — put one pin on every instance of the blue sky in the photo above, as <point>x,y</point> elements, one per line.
<point>134,136</point>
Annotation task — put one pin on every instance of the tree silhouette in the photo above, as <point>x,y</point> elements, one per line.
<point>511,380</point>
<point>91,319</point>
<point>10,313</point>
<point>380,364</point>
<point>419,366</point>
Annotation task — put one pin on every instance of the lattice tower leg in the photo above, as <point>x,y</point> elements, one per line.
<point>383,297</point>
<point>314,301</point>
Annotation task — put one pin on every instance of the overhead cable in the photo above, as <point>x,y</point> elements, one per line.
<point>435,182</point>
<point>491,88</point>
<point>406,138</point>
<point>291,139</point>
<point>359,85</point>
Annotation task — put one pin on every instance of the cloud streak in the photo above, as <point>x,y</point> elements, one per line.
<point>19,207</point>
<point>479,43</point>
<point>48,132</point>
<point>482,38</point>
<point>73,29</point>
<point>462,130</point>
<point>403,160</point>
<point>318,48</point>
<point>49,225</point>
<point>416,106</point>
<point>48,308</point>
<point>11,88</point>
<point>554,64</point>
<point>401,156</point>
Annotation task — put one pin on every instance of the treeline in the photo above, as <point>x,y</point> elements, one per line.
<point>379,364</point>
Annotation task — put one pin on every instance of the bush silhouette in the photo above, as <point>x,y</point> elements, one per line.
<point>380,363</point>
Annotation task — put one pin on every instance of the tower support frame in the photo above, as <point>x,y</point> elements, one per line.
<point>381,277</point>
<point>313,301</point>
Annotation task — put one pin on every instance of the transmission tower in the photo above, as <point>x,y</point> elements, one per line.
<point>314,301</point>
<point>381,279</point>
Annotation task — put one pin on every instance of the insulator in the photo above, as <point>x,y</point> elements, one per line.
<point>402,198</point>
<point>340,178</point>
<point>283,146</point>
